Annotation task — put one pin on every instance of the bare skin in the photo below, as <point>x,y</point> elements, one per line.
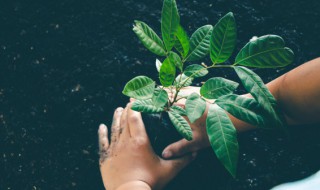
<point>297,92</point>
<point>128,161</point>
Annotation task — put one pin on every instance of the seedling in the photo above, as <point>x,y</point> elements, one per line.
<point>176,49</point>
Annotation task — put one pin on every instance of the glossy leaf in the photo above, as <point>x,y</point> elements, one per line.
<point>245,109</point>
<point>170,20</point>
<point>181,125</point>
<point>145,106</point>
<point>149,38</point>
<point>216,87</point>
<point>200,43</point>
<point>179,110</point>
<point>255,86</point>
<point>158,65</point>
<point>182,43</point>
<point>183,80</point>
<point>223,138</point>
<point>223,39</point>
<point>160,97</point>
<point>195,71</point>
<point>265,52</point>
<point>195,107</point>
<point>175,58</point>
<point>140,87</point>
<point>167,73</point>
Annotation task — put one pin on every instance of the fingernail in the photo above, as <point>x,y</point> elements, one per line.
<point>102,127</point>
<point>166,154</point>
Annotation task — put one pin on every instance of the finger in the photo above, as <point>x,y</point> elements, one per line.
<point>125,133</point>
<point>103,142</point>
<point>136,125</point>
<point>115,128</point>
<point>177,149</point>
<point>173,167</point>
<point>132,99</point>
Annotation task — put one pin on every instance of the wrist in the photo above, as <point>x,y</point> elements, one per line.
<point>136,185</point>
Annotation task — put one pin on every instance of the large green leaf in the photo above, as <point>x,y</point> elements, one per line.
<point>140,87</point>
<point>182,43</point>
<point>195,107</point>
<point>200,43</point>
<point>181,125</point>
<point>179,110</point>
<point>223,138</point>
<point>255,86</point>
<point>170,20</point>
<point>160,97</point>
<point>223,39</point>
<point>265,52</point>
<point>175,58</point>
<point>245,109</point>
<point>149,38</point>
<point>182,80</point>
<point>145,106</point>
<point>195,71</point>
<point>167,73</point>
<point>216,87</point>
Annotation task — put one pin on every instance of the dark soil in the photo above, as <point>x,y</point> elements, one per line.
<point>63,65</point>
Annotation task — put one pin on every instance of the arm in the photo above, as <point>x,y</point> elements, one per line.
<point>297,93</point>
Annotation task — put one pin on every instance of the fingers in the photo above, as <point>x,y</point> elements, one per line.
<point>177,149</point>
<point>115,127</point>
<point>124,130</point>
<point>103,142</point>
<point>135,122</point>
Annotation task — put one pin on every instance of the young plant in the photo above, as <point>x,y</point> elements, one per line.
<point>176,48</point>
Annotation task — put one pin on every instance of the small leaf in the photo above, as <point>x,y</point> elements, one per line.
<point>149,38</point>
<point>223,138</point>
<point>255,86</point>
<point>195,107</point>
<point>167,73</point>
<point>223,39</point>
<point>216,87</point>
<point>158,65</point>
<point>265,52</point>
<point>160,97</point>
<point>179,110</point>
<point>182,80</point>
<point>181,125</point>
<point>170,20</point>
<point>182,43</point>
<point>175,58</point>
<point>200,43</point>
<point>195,71</point>
<point>140,87</point>
<point>245,109</point>
<point>145,106</point>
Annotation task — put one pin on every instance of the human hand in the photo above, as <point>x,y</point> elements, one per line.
<point>129,162</point>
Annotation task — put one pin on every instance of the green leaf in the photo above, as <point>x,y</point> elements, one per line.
<point>265,52</point>
<point>175,58</point>
<point>223,138</point>
<point>158,65</point>
<point>179,110</point>
<point>167,73</point>
<point>145,106</point>
<point>149,38</point>
<point>216,87</point>
<point>182,80</point>
<point>182,43</point>
<point>160,97</point>
<point>245,109</point>
<point>181,125</point>
<point>140,87</point>
<point>255,86</point>
<point>195,71</point>
<point>170,20</point>
<point>195,107</point>
<point>223,39</point>
<point>200,43</point>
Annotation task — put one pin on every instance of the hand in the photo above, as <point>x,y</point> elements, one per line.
<point>129,162</point>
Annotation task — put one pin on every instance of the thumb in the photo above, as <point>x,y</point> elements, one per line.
<point>177,149</point>
<point>173,167</point>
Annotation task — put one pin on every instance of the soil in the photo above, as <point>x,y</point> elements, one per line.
<point>63,65</point>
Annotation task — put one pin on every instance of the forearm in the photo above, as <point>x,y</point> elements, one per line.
<point>134,185</point>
